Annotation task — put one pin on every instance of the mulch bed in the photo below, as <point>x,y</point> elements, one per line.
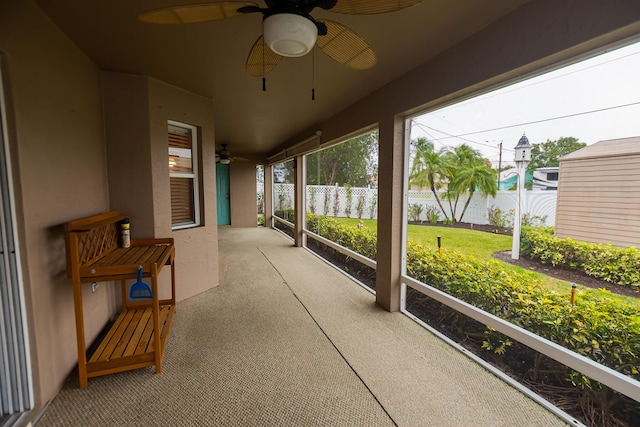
<point>567,274</point>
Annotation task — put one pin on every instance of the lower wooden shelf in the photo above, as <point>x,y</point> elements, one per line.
<point>129,343</point>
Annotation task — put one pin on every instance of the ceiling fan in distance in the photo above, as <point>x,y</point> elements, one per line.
<point>224,156</point>
<point>289,29</point>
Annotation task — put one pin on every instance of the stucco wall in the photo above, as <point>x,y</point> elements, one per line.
<point>126,114</point>
<point>242,181</point>
<point>196,248</point>
<point>137,109</point>
<point>58,154</point>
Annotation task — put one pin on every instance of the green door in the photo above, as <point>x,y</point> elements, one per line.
<point>222,187</point>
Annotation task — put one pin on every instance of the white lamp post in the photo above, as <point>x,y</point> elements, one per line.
<point>522,158</point>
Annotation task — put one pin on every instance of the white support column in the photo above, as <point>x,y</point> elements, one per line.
<point>517,217</point>
<point>299,190</point>
<point>268,196</point>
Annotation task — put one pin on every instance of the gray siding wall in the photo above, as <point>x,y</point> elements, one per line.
<point>599,200</point>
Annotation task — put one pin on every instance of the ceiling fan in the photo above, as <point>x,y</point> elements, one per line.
<point>224,156</point>
<point>289,29</point>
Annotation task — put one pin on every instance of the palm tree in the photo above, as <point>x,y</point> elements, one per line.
<point>428,168</point>
<point>461,158</point>
<point>479,177</point>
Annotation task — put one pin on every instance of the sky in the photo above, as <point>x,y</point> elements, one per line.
<point>593,100</point>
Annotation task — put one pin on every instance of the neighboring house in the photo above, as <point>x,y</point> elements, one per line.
<point>509,179</point>
<point>546,178</point>
<point>598,193</point>
<point>541,179</point>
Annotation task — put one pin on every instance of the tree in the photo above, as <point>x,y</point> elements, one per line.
<point>546,154</point>
<point>353,162</point>
<point>283,172</point>
<point>429,168</point>
<point>457,161</point>
<point>462,170</point>
<point>478,177</point>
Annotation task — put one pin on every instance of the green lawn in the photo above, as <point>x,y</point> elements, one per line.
<point>479,244</point>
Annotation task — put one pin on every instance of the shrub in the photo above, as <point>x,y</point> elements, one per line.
<point>286,214</point>
<point>312,199</point>
<point>361,240</point>
<point>498,218</point>
<point>433,214</point>
<point>602,261</point>
<point>596,326</point>
<point>336,201</point>
<point>529,220</point>
<point>360,205</point>
<point>347,207</point>
<point>414,211</point>
<point>373,209</point>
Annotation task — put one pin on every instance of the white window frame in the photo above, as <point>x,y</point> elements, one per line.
<point>194,176</point>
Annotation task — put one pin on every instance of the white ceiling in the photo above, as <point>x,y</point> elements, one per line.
<point>209,59</point>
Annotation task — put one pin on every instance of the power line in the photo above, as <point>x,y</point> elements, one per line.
<point>544,120</point>
<point>424,127</point>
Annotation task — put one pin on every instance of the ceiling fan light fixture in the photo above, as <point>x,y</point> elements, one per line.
<point>288,34</point>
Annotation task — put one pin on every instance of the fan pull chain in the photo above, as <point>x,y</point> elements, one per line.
<point>264,79</point>
<point>313,74</point>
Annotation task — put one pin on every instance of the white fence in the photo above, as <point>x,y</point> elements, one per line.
<point>325,200</point>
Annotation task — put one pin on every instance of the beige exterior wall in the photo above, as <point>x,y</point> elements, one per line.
<point>126,116</point>
<point>196,248</point>
<point>137,110</point>
<point>243,190</point>
<point>58,156</point>
<point>599,201</point>
<point>57,133</point>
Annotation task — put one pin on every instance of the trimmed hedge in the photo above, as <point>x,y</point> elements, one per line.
<point>361,240</point>
<point>286,214</point>
<point>596,326</point>
<point>602,261</point>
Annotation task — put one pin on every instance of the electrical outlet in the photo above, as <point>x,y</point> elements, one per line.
<point>94,286</point>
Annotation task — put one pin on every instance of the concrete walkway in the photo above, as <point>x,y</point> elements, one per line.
<point>286,340</point>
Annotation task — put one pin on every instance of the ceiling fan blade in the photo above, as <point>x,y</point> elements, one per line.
<point>371,7</point>
<point>261,59</point>
<point>192,13</point>
<point>346,47</point>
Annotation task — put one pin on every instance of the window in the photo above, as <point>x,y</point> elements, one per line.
<point>341,193</point>
<point>283,191</point>
<point>183,174</point>
<point>527,317</point>
<point>16,387</point>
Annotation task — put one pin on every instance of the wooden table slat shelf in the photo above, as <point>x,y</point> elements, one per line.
<point>139,335</point>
